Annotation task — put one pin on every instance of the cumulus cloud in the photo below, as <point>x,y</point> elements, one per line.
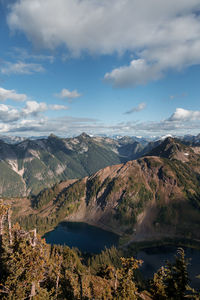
<point>8,114</point>
<point>118,24</point>
<point>34,108</point>
<point>21,68</point>
<point>138,72</point>
<point>155,62</point>
<point>138,108</point>
<point>15,119</point>
<point>11,95</point>
<point>182,114</point>
<point>161,35</point>
<point>65,93</point>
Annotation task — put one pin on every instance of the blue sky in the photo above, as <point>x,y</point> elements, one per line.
<point>100,66</point>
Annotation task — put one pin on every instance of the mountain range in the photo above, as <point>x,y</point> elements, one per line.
<point>30,165</point>
<point>156,195</point>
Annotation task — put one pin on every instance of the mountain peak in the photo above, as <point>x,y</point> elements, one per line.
<point>171,148</point>
<point>84,135</point>
<point>162,138</point>
<point>53,136</point>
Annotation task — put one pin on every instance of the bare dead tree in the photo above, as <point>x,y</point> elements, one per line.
<point>33,244</point>
<point>3,211</point>
<point>34,239</point>
<point>33,290</point>
<point>9,225</point>
<point>2,217</point>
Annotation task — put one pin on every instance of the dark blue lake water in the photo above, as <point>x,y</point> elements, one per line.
<point>92,239</point>
<point>85,237</point>
<point>156,257</point>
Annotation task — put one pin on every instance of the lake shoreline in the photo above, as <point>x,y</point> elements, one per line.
<point>85,237</point>
<point>137,245</point>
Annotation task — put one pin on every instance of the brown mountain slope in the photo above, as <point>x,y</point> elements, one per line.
<point>151,197</point>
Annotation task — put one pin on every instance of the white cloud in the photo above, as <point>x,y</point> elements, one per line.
<point>31,125</point>
<point>65,93</point>
<point>182,114</point>
<point>44,126</point>
<point>21,68</point>
<point>138,72</point>
<point>4,128</point>
<point>138,108</point>
<point>12,95</point>
<point>161,35</point>
<point>34,108</point>
<point>8,114</point>
<point>118,24</point>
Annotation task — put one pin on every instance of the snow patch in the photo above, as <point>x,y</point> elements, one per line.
<point>83,149</point>
<point>14,166</point>
<point>60,169</point>
<point>162,138</point>
<point>34,153</point>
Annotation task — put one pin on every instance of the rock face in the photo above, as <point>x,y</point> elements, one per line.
<point>148,197</point>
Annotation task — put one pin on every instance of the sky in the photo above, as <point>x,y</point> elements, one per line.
<point>113,67</point>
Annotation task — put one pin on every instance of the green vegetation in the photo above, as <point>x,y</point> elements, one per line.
<point>10,182</point>
<point>93,187</point>
<point>45,196</point>
<point>188,180</point>
<point>48,161</point>
<point>130,207</point>
<point>31,269</point>
<point>65,203</point>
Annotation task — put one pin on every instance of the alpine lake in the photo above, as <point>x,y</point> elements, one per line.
<point>86,238</point>
<point>91,239</point>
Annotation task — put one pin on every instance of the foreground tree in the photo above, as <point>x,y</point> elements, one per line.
<point>26,263</point>
<point>172,281</point>
<point>31,269</point>
<point>125,283</point>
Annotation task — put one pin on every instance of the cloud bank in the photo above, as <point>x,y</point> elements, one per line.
<point>32,120</point>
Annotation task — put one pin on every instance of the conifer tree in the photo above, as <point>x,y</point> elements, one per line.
<point>26,265</point>
<point>171,282</point>
<point>126,286</point>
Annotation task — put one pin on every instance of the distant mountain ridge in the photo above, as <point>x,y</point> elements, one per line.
<point>28,166</point>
